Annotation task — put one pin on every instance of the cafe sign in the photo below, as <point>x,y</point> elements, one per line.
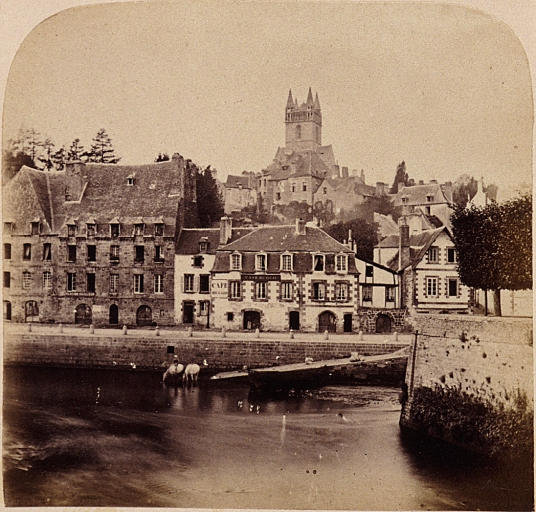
<point>218,288</point>
<point>261,277</point>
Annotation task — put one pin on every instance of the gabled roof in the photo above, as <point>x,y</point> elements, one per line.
<point>415,240</point>
<point>189,238</point>
<point>417,195</point>
<point>297,163</point>
<point>237,181</point>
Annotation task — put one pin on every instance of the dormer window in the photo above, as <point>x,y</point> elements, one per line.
<point>429,198</point>
<point>260,262</point>
<point>71,230</point>
<point>138,229</point>
<point>404,200</point>
<point>236,261</point>
<point>203,246</point>
<point>286,262</point>
<point>341,262</point>
<point>130,181</point>
<point>36,227</point>
<point>159,229</point>
<point>114,230</point>
<point>318,263</point>
<point>91,229</point>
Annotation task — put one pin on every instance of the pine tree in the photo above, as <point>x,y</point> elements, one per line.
<point>76,150</point>
<point>102,150</point>
<point>59,158</point>
<point>46,158</point>
<point>209,200</point>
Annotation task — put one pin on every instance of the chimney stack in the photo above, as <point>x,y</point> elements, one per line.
<point>226,226</point>
<point>403,245</point>
<point>300,227</point>
<point>344,172</point>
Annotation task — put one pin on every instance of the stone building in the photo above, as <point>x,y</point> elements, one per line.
<point>285,277</point>
<point>240,192</point>
<point>95,243</point>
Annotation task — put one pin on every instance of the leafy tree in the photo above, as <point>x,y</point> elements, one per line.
<point>323,211</point>
<point>161,157</point>
<point>209,199</point>
<point>494,245</point>
<point>401,176</point>
<point>76,150</point>
<point>364,233</point>
<point>102,150</point>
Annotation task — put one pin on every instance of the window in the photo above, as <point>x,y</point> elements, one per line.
<point>92,253</point>
<point>71,282</point>
<point>318,262</point>
<point>71,253</point>
<point>130,181</point>
<point>26,280</point>
<point>260,262</point>
<point>47,252</point>
<point>138,229</point>
<point>404,200</point>
<point>158,283</point>
<point>341,262</point>
<point>7,280</point>
<point>90,283</point>
<point>431,286</point>
<point>138,283</point>
<point>278,196</point>
<point>114,283</point>
<point>319,291</point>
<point>204,283</point>
<point>188,282</point>
<point>453,287</point>
<point>8,228</point>
<point>158,253</point>
<point>91,229</point>
<point>451,255</point>
<point>429,198</point>
<point>114,230</point>
<point>7,251</point>
<point>159,229</point>
<point>261,290</point>
<point>139,255</point>
<point>286,262</point>
<point>428,210</point>
<point>390,293</point>
<point>341,291</point>
<point>230,316</point>
<point>234,289</point>
<point>203,246</point>
<point>114,253</point>
<point>71,230</point>
<point>27,252</point>
<point>367,293</point>
<point>304,187</point>
<point>293,187</point>
<point>198,261</point>
<point>47,280</point>
<point>203,307</point>
<point>325,190</point>
<point>433,255</point>
<point>236,261</point>
<point>35,228</point>
<point>369,271</point>
<point>286,290</point>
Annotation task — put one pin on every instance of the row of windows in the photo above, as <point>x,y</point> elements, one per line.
<point>367,290</point>
<point>73,284</point>
<point>286,290</point>
<point>433,255</point>
<point>286,262</point>
<point>204,283</point>
<point>432,287</point>
<point>115,230</point>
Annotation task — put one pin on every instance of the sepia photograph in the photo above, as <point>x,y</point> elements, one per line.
<point>267,255</point>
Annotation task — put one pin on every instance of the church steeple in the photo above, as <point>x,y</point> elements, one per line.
<point>290,101</point>
<point>309,97</point>
<point>317,103</point>
<point>303,123</point>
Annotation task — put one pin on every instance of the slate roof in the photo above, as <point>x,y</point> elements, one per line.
<point>300,163</point>
<point>188,240</point>
<point>417,194</point>
<point>415,240</point>
<point>237,181</point>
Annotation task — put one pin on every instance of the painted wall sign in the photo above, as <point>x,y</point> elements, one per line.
<point>219,288</point>
<point>261,277</point>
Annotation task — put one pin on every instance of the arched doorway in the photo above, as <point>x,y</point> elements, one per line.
<point>144,316</point>
<point>31,311</point>
<point>82,314</point>
<point>7,310</point>
<point>294,320</point>
<point>113,317</point>
<point>327,321</point>
<point>383,323</point>
<point>252,320</point>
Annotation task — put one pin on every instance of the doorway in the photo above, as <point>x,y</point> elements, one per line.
<point>82,314</point>
<point>7,310</point>
<point>113,318</point>
<point>187,312</point>
<point>252,320</point>
<point>294,320</point>
<point>144,316</point>
<point>348,322</point>
<point>383,323</point>
<point>327,321</point>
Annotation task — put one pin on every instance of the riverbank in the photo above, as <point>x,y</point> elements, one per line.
<point>149,349</point>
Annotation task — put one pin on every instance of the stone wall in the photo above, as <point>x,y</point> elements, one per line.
<point>367,319</point>
<point>148,351</point>
<point>481,363</point>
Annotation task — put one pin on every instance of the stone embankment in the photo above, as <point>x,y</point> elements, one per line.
<point>150,349</point>
<point>470,383</point>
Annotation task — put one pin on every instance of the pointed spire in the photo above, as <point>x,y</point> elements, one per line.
<point>290,101</point>
<point>309,97</point>
<point>296,101</point>
<point>317,103</point>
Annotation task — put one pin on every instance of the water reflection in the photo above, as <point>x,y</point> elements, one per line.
<point>101,438</point>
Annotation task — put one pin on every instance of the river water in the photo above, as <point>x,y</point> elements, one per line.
<point>117,438</point>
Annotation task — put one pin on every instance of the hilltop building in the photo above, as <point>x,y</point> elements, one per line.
<point>240,192</point>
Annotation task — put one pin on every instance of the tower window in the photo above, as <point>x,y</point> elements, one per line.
<point>298,132</point>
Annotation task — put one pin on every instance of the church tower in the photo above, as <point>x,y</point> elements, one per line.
<point>303,123</point>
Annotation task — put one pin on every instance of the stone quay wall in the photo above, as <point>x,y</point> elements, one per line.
<point>147,351</point>
<point>470,381</point>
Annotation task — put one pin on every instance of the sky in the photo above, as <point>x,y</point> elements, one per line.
<point>443,87</point>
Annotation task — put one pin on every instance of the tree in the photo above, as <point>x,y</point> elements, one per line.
<point>364,233</point>
<point>102,150</point>
<point>401,176</point>
<point>464,189</point>
<point>76,150</point>
<point>46,157</point>
<point>494,246</point>
<point>161,157</point>
<point>59,158</point>
<point>12,162</point>
<point>209,199</point>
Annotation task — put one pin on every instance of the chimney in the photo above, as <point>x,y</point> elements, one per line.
<point>433,182</point>
<point>300,227</point>
<point>226,226</point>
<point>403,245</point>
<point>421,182</point>
<point>344,171</point>
<point>362,175</point>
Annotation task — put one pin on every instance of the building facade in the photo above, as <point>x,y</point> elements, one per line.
<point>99,247</point>
<point>285,277</point>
